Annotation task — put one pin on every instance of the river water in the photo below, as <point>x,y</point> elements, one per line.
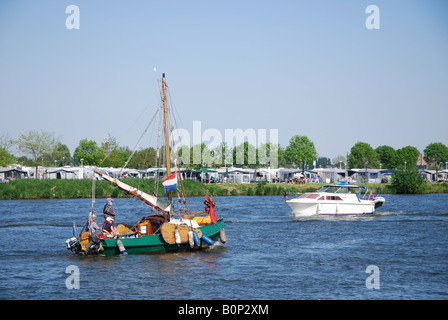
<point>400,252</point>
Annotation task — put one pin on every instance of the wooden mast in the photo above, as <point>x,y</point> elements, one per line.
<point>167,135</point>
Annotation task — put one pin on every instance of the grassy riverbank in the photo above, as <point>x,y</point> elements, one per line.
<point>65,189</point>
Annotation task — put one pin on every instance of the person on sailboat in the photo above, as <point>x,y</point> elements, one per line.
<point>94,241</point>
<point>109,229</point>
<point>108,211</point>
<point>210,208</point>
<point>93,226</point>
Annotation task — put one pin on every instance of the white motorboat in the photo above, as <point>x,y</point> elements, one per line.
<point>336,199</point>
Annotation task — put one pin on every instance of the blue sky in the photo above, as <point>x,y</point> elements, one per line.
<point>303,67</point>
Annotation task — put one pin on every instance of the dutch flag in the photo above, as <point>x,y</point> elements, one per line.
<point>170,183</point>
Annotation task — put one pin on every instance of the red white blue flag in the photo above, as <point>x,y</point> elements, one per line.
<point>170,183</point>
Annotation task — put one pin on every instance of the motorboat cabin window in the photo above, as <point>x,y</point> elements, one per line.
<point>333,198</point>
<point>309,196</point>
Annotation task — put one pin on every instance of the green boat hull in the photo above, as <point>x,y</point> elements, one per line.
<point>155,244</point>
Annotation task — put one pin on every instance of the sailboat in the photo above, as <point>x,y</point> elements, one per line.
<point>164,231</point>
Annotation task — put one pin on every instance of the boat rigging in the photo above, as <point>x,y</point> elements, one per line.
<point>161,232</point>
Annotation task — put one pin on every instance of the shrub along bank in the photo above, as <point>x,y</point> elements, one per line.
<point>66,189</point>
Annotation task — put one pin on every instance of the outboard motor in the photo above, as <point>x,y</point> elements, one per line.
<point>73,245</point>
<point>94,244</point>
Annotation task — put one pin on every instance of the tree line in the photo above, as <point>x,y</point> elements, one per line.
<point>40,148</point>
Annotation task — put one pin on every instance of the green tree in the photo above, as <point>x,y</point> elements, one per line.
<point>5,157</point>
<point>6,142</point>
<point>185,156</point>
<point>407,156</point>
<point>362,155</point>
<point>222,155</point>
<point>324,162</point>
<point>89,151</point>
<point>270,154</point>
<point>59,156</point>
<point>198,156</point>
<point>407,180</point>
<point>25,161</point>
<point>36,144</point>
<point>281,155</point>
<point>245,154</point>
<point>114,155</point>
<point>143,159</point>
<point>207,155</point>
<point>194,157</point>
<point>387,156</point>
<point>300,151</point>
<point>436,153</point>
<point>117,158</point>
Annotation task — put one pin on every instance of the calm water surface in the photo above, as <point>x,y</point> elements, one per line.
<point>270,254</point>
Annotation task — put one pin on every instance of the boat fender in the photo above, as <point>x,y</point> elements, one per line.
<point>196,238</point>
<point>206,239</point>
<point>177,236</point>
<point>121,247</point>
<point>222,236</point>
<point>191,238</point>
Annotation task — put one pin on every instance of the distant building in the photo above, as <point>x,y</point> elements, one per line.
<point>7,174</point>
<point>421,161</point>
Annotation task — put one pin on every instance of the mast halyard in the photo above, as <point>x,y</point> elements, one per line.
<point>167,135</point>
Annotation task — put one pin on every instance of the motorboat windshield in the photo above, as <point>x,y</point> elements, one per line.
<point>332,189</point>
<point>341,189</point>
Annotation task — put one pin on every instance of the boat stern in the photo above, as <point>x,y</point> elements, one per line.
<point>379,202</point>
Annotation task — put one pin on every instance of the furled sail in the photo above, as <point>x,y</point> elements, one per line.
<point>159,205</point>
